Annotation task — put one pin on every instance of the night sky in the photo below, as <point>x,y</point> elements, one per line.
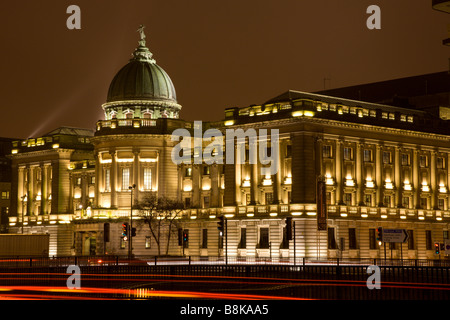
<point>219,54</point>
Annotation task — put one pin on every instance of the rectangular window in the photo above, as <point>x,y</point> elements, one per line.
<point>331,239</point>
<point>204,238</point>
<point>243,240</point>
<point>424,203</point>
<point>372,239</point>
<point>269,197</point>
<point>285,241</point>
<point>367,155</point>
<point>423,161</point>
<point>187,202</point>
<point>5,195</point>
<point>440,163</point>
<point>441,204</point>
<point>405,202</point>
<point>206,202</point>
<point>348,199</point>
<point>352,238</point>
<point>93,180</point>
<point>188,172</point>
<point>288,151</point>
<point>78,181</point>
<point>107,180</point>
<point>348,153</point>
<point>428,240</point>
<point>148,242</point>
<point>387,201</point>
<point>206,170</point>
<point>387,157</point>
<point>326,151</point>
<point>368,200</point>
<point>411,239</point>
<point>125,178</point>
<point>147,179</point>
<point>264,238</point>
<point>405,159</point>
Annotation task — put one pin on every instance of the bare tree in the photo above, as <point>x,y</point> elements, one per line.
<point>161,215</point>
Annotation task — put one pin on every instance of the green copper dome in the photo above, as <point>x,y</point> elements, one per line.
<point>141,79</point>
<point>141,86</point>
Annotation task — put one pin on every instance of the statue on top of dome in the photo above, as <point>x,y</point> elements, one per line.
<point>141,33</point>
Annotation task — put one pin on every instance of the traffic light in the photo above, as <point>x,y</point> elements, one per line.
<point>133,232</point>
<point>289,228</point>
<point>185,238</point>
<point>221,224</point>
<point>437,248</point>
<point>125,231</point>
<point>380,234</point>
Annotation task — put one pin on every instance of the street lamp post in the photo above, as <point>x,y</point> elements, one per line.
<point>130,232</point>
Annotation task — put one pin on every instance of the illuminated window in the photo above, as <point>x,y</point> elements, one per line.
<point>348,199</point>
<point>125,178</point>
<point>410,119</point>
<point>373,113</point>
<point>348,153</point>
<point>5,195</point>
<point>423,161</point>
<point>107,180</point>
<point>387,201</point>
<point>405,159</point>
<point>384,115</point>
<point>188,172</point>
<point>148,242</point>
<point>326,151</point>
<point>367,155</point>
<point>147,178</point>
<point>269,197</point>
<point>441,204</point>
<point>405,202</point>
<point>206,170</point>
<point>387,157</point>
<point>391,116</point>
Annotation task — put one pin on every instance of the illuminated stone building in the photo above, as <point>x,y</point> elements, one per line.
<point>382,165</point>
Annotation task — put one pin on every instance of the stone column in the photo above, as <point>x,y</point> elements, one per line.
<point>415,175</point>
<point>397,178</point>
<point>359,175</point>
<point>215,178</point>
<point>136,175</point>
<point>433,183</point>
<point>98,169</point>
<point>196,185</point>
<point>113,177</point>
<point>379,175</point>
<point>20,193</point>
<point>339,178</point>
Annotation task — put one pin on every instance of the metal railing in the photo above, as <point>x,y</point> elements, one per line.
<point>109,260</point>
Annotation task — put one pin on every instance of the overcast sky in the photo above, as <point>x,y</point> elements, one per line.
<point>219,54</point>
